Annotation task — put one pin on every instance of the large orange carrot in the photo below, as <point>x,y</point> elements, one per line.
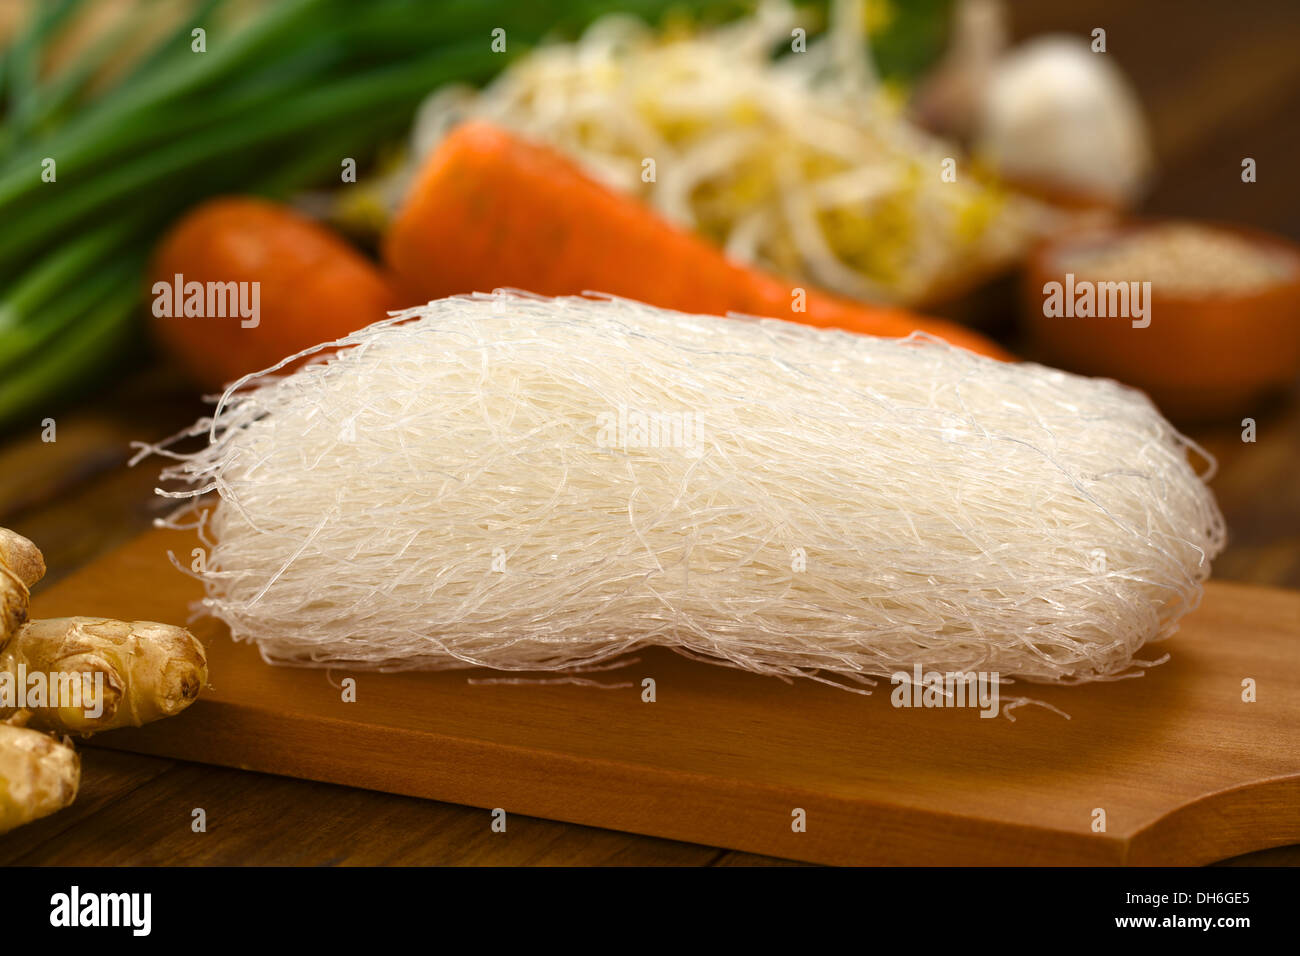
<point>312,287</point>
<point>491,210</point>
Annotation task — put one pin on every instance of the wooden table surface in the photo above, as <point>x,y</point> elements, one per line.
<point>1220,82</point>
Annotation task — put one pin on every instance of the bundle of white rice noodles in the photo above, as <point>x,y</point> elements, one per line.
<point>537,484</point>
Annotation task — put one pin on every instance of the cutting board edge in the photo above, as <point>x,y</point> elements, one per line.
<point>1204,830</point>
<point>1225,824</point>
<point>835,827</point>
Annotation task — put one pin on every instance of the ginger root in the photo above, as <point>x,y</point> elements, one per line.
<point>132,673</point>
<point>21,566</point>
<point>21,558</point>
<point>38,775</point>
<point>91,674</point>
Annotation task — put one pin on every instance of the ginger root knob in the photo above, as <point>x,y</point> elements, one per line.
<point>133,672</point>
<point>21,566</point>
<point>38,775</point>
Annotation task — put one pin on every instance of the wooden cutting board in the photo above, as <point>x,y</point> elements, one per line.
<point>1184,770</point>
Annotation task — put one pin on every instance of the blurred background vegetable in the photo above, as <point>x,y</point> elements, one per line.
<point>313,287</point>
<point>787,149</point>
<point>491,209</point>
<point>138,132</point>
<point>1061,120</point>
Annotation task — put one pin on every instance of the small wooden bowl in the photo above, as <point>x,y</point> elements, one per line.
<point>1203,357</point>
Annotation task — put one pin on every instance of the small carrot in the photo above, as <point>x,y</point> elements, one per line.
<point>491,210</point>
<point>312,287</point>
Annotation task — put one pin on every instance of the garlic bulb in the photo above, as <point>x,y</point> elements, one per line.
<point>1056,114</point>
